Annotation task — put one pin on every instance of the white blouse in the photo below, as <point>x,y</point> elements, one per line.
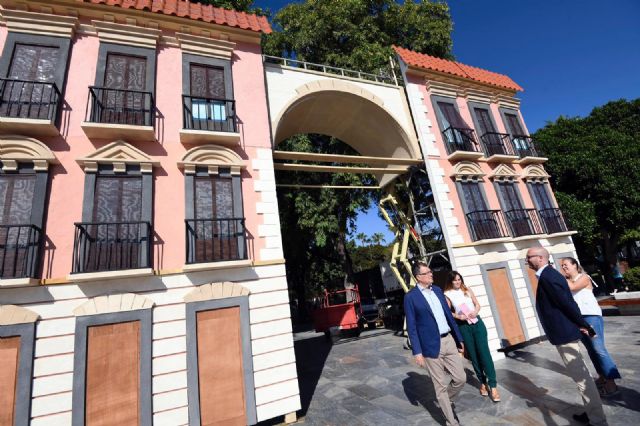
<point>586,300</point>
<point>458,298</point>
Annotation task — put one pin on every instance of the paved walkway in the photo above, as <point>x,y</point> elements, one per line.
<point>372,380</point>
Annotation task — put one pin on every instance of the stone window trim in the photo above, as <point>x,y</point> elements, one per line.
<point>467,171</point>
<point>535,174</point>
<point>503,202</point>
<point>225,64</point>
<point>503,112</point>
<point>472,109</point>
<point>80,358</point>
<point>504,173</point>
<point>192,308</point>
<point>206,46</point>
<point>147,53</point>
<point>17,321</point>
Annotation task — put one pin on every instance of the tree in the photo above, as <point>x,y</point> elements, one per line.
<point>239,5</point>
<point>595,167</point>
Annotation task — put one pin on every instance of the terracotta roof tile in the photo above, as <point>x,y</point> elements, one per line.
<point>424,61</point>
<point>196,11</point>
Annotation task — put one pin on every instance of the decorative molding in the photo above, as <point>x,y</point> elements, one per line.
<point>442,89</point>
<point>216,291</point>
<point>535,173</point>
<point>475,95</point>
<point>118,153</point>
<point>507,102</point>
<point>12,314</point>
<point>466,170</point>
<point>16,149</point>
<point>132,35</point>
<point>113,303</point>
<point>503,173</point>
<point>207,46</point>
<point>22,21</point>
<point>211,157</point>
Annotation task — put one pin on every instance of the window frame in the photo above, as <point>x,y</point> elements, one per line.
<point>476,122</point>
<point>27,333</point>
<point>439,116</point>
<point>547,188</point>
<point>147,53</point>
<point>503,203</point>
<point>80,361</point>
<point>505,122</point>
<point>463,201</point>
<point>188,59</point>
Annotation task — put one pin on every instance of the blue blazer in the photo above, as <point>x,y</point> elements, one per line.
<point>558,312</point>
<point>422,326</point>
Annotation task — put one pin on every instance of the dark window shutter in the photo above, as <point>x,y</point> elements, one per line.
<point>36,63</point>
<point>16,195</point>
<point>125,72</point>
<point>118,199</point>
<point>509,196</point>
<point>451,116</point>
<point>541,196</point>
<point>213,198</point>
<point>514,125</point>
<point>207,82</point>
<point>473,197</point>
<point>484,121</point>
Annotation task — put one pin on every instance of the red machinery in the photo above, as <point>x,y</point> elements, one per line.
<point>339,309</point>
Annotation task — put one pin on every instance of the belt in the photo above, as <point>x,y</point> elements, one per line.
<point>442,336</point>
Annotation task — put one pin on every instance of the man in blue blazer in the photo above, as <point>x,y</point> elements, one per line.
<point>561,320</point>
<point>435,339</point>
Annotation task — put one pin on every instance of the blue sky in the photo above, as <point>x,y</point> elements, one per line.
<point>568,55</point>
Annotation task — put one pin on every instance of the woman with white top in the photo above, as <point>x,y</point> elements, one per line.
<point>581,286</point>
<point>465,309</point>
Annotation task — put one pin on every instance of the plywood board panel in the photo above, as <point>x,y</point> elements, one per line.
<point>220,370</point>
<point>9,363</point>
<point>506,305</point>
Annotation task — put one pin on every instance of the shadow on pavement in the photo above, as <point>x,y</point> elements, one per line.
<point>419,390</point>
<point>311,355</point>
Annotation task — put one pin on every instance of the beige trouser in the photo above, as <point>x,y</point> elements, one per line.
<point>447,389</point>
<point>578,371</point>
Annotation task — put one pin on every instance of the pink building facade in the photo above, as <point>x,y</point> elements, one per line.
<point>141,248</point>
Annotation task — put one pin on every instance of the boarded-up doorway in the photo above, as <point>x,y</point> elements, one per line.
<point>504,303</point>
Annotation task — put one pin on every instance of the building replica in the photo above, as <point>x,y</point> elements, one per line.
<point>142,275</point>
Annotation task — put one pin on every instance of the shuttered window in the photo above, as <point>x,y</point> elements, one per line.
<point>35,63</point>
<point>484,121</point>
<point>16,198</point>
<point>509,196</point>
<point>473,196</point>
<point>213,198</point>
<point>541,196</point>
<point>207,82</point>
<point>451,116</point>
<point>125,72</point>
<point>514,124</point>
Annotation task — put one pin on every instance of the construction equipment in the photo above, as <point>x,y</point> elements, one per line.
<point>339,310</point>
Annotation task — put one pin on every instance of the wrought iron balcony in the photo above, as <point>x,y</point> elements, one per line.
<point>25,99</point>
<point>19,251</point>
<point>118,106</point>
<point>458,139</point>
<point>115,246</point>
<point>523,222</point>
<point>215,240</point>
<point>524,147</point>
<point>212,114</point>
<point>486,224</point>
<point>553,221</point>
<point>497,144</point>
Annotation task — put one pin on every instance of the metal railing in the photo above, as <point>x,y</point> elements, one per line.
<point>496,144</point>
<point>327,69</point>
<point>553,221</point>
<point>215,240</point>
<point>524,146</point>
<point>118,106</point>
<point>213,114</point>
<point>486,224</point>
<point>523,222</point>
<point>460,139</point>
<point>19,251</point>
<point>29,99</point>
<point>111,246</point>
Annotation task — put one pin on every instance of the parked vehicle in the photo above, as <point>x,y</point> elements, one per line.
<point>340,310</point>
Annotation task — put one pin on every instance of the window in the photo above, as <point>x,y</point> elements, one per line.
<point>457,135</point>
<point>521,221</point>
<point>483,223</point>
<point>521,142</point>
<point>551,217</point>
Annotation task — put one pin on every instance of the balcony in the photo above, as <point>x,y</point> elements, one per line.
<point>553,221</point>
<point>215,240</point>
<point>19,254</point>
<point>119,114</point>
<point>109,247</point>
<point>498,148</point>
<point>209,120</point>
<point>487,225</point>
<point>461,144</point>
<point>526,150</point>
<point>29,107</point>
<point>523,222</point>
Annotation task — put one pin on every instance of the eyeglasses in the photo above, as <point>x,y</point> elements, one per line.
<point>425,273</point>
<point>533,255</point>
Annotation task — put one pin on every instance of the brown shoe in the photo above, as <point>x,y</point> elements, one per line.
<point>495,396</point>
<point>484,391</point>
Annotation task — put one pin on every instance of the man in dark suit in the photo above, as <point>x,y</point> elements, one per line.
<point>435,338</point>
<point>561,320</point>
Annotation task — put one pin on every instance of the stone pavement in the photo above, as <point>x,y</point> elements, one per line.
<point>372,380</point>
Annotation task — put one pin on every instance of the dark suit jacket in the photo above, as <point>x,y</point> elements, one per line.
<point>558,312</point>
<point>422,326</point>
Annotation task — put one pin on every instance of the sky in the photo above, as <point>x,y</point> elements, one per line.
<point>569,55</point>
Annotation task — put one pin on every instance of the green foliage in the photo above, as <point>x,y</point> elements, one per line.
<point>632,278</point>
<point>239,5</point>
<point>370,252</point>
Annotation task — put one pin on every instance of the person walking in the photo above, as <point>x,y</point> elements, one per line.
<point>563,325</point>
<point>435,339</point>
<point>466,307</point>
<point>581,286</point>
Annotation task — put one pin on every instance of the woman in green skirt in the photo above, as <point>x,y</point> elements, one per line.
<point>465,309</point>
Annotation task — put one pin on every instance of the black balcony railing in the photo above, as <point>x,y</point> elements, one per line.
<point>523,222</point>
<point>553,221</point>
<point>460,139</point>
<point>218,115</point>
<point>111,246</point>
<point>524,146</point>
<point>487,224</point>
<point>496,144</point>
<point>117,106</point>
<point>215,240</point>
<point>19,251</point>
<point>29,99</point>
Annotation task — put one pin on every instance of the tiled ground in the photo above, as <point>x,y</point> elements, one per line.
<point>372,380</point>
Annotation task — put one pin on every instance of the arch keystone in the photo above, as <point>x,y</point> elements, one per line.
<point>214,291</point>
<point>112,303</point>
<point>12,314</point>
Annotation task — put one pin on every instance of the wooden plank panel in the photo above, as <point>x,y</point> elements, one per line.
<point>220,372</point>
<point>113,374</point>
<point>9,363</point>
<point>507,309</point>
